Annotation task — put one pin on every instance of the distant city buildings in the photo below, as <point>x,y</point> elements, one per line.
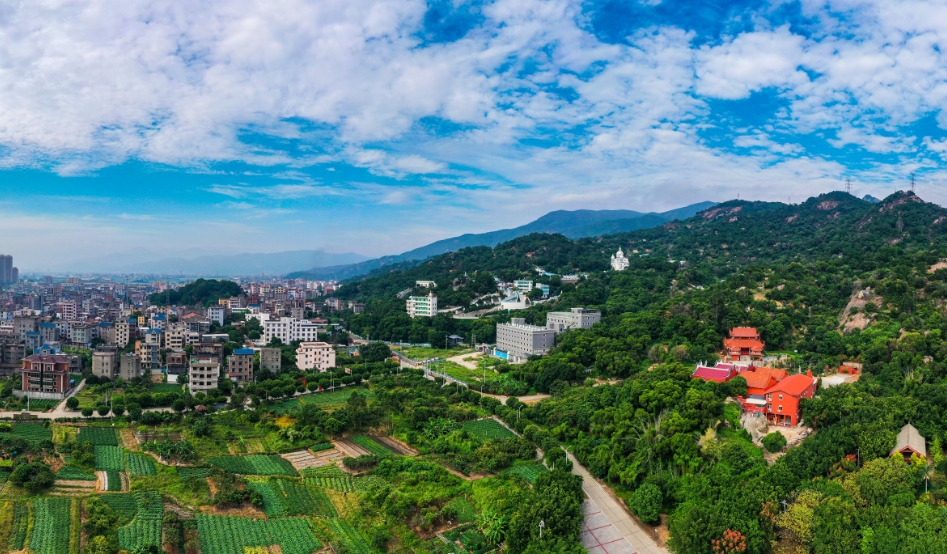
<point>8,273</point>
<point>422,306</point>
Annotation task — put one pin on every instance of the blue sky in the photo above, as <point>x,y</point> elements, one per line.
<point>379,126</point>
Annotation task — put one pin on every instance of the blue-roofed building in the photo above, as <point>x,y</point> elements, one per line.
<point>32,340</point>
<point>159,321</point>
<point>240,365</point>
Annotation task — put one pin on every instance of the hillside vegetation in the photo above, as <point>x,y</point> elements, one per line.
<point>830,280</point>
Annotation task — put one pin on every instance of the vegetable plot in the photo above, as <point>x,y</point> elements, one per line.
<point>348,536</point>
<point>369,444</point>
<point>109,457</point>
<point>21,523</point>
<point>99,436</point>
<point>231,535</point>
<point>137,465</point>
<point>31,432</point>
<point>50,526</point>
<point>73,473</point>
<point>146,527</point>
<point>487,429</point>
<point>254,464</point>
<point>288,497</point>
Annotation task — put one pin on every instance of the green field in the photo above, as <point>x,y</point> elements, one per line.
<point>21,524</point>
<point>41,405</point>
<point>369,444</point>
<point>231,535</point>
<point>186,473</point>
<point>348,537</point>
<point>458,371</point>
<point>282,497</point>
<point>487,429</point>
<point>145,528</point>
<point>114,480</point>
<point>426,353</point>
<point>332,400</point>
<point>31,432</point>
<point>164,387</point>
<point>254,464</point>
<point>72,473</point>
<point>99,436</point>
<point>51,520</point>
<point>124,505</point>
<point>109,457</point>
<point>139,464</point>
<point>528,471</point>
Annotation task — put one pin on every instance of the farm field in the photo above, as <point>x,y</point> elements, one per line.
<point>369,444</point>
<point>231,535</point>
<point>109,458</point>
<point>145,527</point>
<point>51,521</point>
<point>348,537</point>
<point>30,431</point>
<point>290,497</point>
<point>487,429</point>
<point>99,436</point>
<point>254,464</point>
<point>462,373</point>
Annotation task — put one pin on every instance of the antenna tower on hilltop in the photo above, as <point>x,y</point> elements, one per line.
<point>848,185</point>
<point>913,175</point>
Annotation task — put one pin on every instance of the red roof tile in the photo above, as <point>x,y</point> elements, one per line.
<point>712,374</point>
<point>794,385</point>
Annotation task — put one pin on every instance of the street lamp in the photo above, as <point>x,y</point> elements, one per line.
<point>542,524</point>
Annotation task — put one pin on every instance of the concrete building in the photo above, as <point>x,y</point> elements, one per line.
<point>619,261</point>
<point>517,341</point>
<point>523,285</point>
<point>217,314</point>
<point>578,318</point>
<point>6,269</point>
<point>105,363</point>
<point>315,355</point>
<point>11,355</point>
<point>426,284</point>
<point>422,306</point>
<point>45,376</point>
<point>49,331</point>
<point>176,362</point>
<point>288,329</point>
<point>32,341</point>
<point>240,365</point>
<point>81,334</point>
<point>130,367</point>
<point>206,349</point>
<point>123,333</point>
<point>150,355</point>
<point>203,374</point>
<point>271,359</point>
<point>23,325</point>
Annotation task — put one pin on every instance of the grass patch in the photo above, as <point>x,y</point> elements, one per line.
<point>528,471</point>
<point>458,371</point>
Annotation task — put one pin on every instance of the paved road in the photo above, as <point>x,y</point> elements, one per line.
<point>606,521</point>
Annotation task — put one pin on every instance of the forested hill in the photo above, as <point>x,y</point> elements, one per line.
<point>833,226</point>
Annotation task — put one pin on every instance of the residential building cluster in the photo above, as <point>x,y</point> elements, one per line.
<point>132,338</point>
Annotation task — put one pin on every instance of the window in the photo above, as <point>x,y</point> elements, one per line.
<point>780,408</point>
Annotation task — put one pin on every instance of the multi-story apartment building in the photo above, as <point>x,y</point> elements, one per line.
<point>123,333</point>
<point>577,318</point>
<point>176,362</point>
<point>49,331</point>
<point>288,329</point>
<point>105,363</point>
<point>11,355</point>
<point>422,306</point>
<point>240,365</point>
<point>23,325</point>
<point>217,314</point>
<point>68,310</point>
<point>81,334</point>
<point>32,341</point>
<point>517,341</point>
<point>130,367</point>
<point>270,358</point>
<point>315,355</point>
<point>47,375</point>
<point>203,374</point>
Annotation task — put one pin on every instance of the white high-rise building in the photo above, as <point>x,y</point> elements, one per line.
<point>422,306</point>
<point>288,329</point>
<point>619,261</point>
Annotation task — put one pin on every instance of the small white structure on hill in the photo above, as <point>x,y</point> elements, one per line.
<point>422,306</point>
<point>619,261</point>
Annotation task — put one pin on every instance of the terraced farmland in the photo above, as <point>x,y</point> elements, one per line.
<point>138,465</point>
<point>254,464</point>
<point>51,521</point>
<point>373,447</point>
<point>290,497</point>
<point>145,528</point>
<point>231,535</point>
<point>99,436</point>
<point>348,537</point>
<point>109,457</point>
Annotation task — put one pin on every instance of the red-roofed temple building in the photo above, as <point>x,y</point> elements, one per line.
<point>776,395</point>
<point>744,344</point>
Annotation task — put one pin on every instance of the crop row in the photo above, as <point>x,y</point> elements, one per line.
<point>488,429</point>
<point>146,527</point>
<point>231,535</point>
<point>324,471</point>
<point>529,472</point>
<point>124,505</point>
<point>99,436</point>
<point>31,432</point>
<point>254,464</point>
<point>113,480</point>
<point>73,473</point>
<point>289,497</point>
<point>50,526</point>
<point>348,536</point>
<point>369,444</point>
<point>21,523</point>
<point>137,464</point>
<point>109,457</point>
<point>343,484</point>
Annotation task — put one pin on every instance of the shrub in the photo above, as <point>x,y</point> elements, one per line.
<point>646,503</point>
<point>774,442</point>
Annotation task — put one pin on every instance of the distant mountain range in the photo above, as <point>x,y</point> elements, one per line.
<point>573,224</point>
<point>276,263</point>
